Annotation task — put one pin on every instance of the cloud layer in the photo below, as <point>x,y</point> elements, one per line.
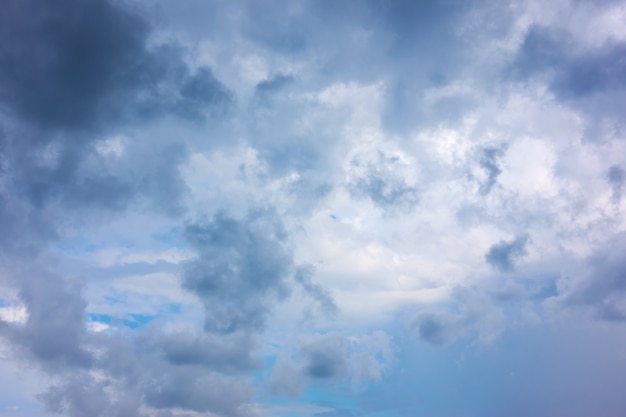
<point>255,208</point>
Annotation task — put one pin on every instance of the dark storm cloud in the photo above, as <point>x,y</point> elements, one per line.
<point>242,267</point>
<point>504,254</point>
<point>74,64</point>
<point>74,71</point>
<point>324,356</point>
<point>62,60</point>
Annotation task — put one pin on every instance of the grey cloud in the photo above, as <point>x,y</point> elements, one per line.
<point>231,353</point>
<point>88,64</point>
<point>266,90</point>
<point>273,85</point>
<point>73,73</point>
<point>89,72</point>
<point>81,396</point>
<point>242,266</point>
<point>478,311</point>
<point>381,182</point>
<point>264,25</point>
<point>588,80</point>
<point>194,390</point>
<point>160,179</point>
<point>316,291</point>
<point>616,177</point>
<point>79,179</point>
<point>504,254</point>
<point>600,283</point>
<point>324,355</point>
<point>427,28</point>
<point>434,328</point>
<point>202,91</point>
<point>276,132</point>
<point>489,162</point>
<point>321,358</point>
<point>134,374</point>
<point>77,52</point>
<point>547,52</point>
<point>54,331</point>
<point>287,379</point>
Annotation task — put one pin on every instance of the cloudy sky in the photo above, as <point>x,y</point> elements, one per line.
<point>312,208</point>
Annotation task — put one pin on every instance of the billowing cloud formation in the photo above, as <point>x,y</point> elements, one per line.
<point>242,267</point>
<point>251,208</point>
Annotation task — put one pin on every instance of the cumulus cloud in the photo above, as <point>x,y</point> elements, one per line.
<point>181,184</point>
<point>242,266</point>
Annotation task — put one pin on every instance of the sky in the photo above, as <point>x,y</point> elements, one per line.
<point>312,208</point>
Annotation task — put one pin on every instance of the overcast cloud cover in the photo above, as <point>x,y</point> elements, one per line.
<point>312,208</point>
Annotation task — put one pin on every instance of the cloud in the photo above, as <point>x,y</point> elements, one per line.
<point>91,72</point>
<point>318,293</point>
<point>616,179</point>
<point>332,358</point>
<point>287,379</point>
<point>223,354</point>
<point>489,162</point>
<point>435,329</point>
<point>92,66</point>
<point>77,62</point>
<point>324,356</point>
<point>242,267</point>
<point>82,395</point>
<point>504,254</point>
<point>54,330</point>
<point>382,182</point>
<point>197,391</point>
<point>571,75</point>
<point>179,186</point>
<point>599,283</point>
